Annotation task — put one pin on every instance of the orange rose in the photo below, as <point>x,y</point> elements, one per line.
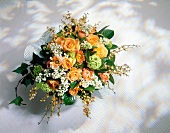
<point>53,84</point>
<point>104,77</point>
<point>87,74</point>
<point>74,74</point>
<point>60,40</point>
<point>56,61</point>
<point>74,91</point>
<point>71,45</point>
<point>80,57</point>
<point>93,39</point>
<point>67,63</point>
<point>101,51</point>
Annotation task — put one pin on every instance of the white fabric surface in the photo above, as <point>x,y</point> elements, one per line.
<point>142,100</point>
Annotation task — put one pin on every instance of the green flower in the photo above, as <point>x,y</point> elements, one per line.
<point>37,69</point>
<point>94,62</point>
<point>43,86</point>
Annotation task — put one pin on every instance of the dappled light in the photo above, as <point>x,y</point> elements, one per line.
<point>142,100</point>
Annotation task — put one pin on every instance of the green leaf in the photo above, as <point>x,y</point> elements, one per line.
<point>36,60</point>
<point>68,99</point>
<point>17,101</point>
<point>72,36</point>
<point>26,82</point>
<point>103,29</point>
<point>111,79</point>
<point>112,58</point>
<point>101,71</point>
<point>73,84</point>
<point>87,54</point>
<point>114,46</point>
<point>108,33</point>
<point>94,47</point>
<point>72,54</point>
<point>90,88</point>
<point>22,69</point>
<point>59,34</point>
<point>109,62</point>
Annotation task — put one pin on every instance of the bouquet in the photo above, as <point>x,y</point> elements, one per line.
<point>75,61</point>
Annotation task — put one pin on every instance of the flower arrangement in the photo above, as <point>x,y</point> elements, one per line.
<point>76,61</point>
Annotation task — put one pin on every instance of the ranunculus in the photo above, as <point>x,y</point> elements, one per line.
<point>60,40</point>
<point>101,51</point>
<point>74,91</point>
<point>87,74</point>
<point>80,57</point>
<point>53,84</point>
<point>71,45</point>
<point>104,77</point>
<point>67,63</point>
<point>93,39</point>
<point>56,61</point>
<point>74,74</point>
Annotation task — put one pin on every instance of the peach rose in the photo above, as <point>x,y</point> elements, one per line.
<point>53,84</point>
<point>59,40</point>
<point>74,74</point>
<point>56,61</point>
<point>81,34</point>
<point>71,45</point>
<point>104,77</point>
<point>93,39</point>
<point>101,51</point>
<point>74,91</point>
<point>80,57</point>
<point>67,63</point>
<point>87,74</point>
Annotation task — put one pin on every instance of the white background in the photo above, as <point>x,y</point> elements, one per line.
<point>142,100</point>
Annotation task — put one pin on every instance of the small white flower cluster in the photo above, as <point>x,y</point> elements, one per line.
<point>56,49</point>
<point>87,29</point>
<point>95,82</point>
<point>38,78</point>
<point>60,73</point>
<point>63,86</point>
<point>104,40</point>
<point>85,45</point>
<point>43,76</point>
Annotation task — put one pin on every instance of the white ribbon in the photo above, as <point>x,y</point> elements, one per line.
<point>36,47</point>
